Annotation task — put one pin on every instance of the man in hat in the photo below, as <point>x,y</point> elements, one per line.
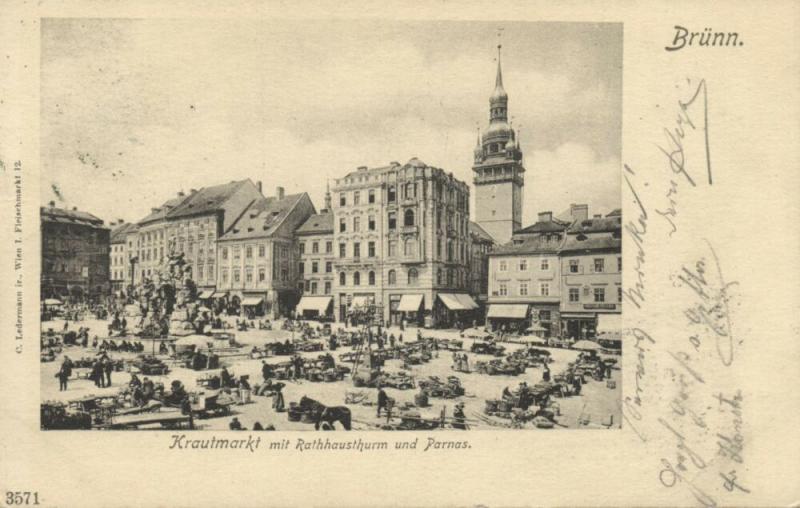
<point>383,400</point>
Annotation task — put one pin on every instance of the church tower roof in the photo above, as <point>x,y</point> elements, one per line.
<point>499,93</point>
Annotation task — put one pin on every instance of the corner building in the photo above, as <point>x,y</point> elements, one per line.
<point>401,241</point>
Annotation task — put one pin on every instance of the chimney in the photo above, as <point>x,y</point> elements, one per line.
<point>579,212</point>
<point>545,216</point>
<point>193,191</point>
<point>394,163</point>
<point>52,204</point>
<point>362,168</point>
<point>258,185</point>
<point>120,221</point>
<point>279,192</point>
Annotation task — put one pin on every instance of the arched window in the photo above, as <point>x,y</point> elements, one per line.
<point>412,277</point>
<point>408,218</point>
<point>342,279</point>
<point>392,277</point>
<point>371,278</point>
<point>356,279</point>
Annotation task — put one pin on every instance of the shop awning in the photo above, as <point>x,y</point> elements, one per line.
<point>252,300</point>
<point>52,301</point>
<point>466,300</point>
<point>452,302</point>
<point>317,303</point>
<point>359,301</point>
<point>508,311</point>
<point>410,303</point>
<point>610,324</point>
<point>205,295</point>
<point>219,294</point>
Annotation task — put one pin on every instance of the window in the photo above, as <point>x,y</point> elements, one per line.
<point>314,267</point>
<point>392,248</point>
<point>328,247</point>
<point>371,197</point>
<point>356,250</point>
<point>342,250</point>
<point>262,250</point>
<point>391,194</point>
<point>392,277</point>
<point>371,223</point>
<point>413,276</point>
<point>619,265</point>
<point>342,199</point>
<point>356,223</point>
<point>545,264</point>
<point>523,265</point>
<point>599,294</point>
<point>315,248</point>
<point>357,279</point>
<point>301,268</point>
<point>313,288</point>
<point>411,190</point>
<point>503,266</point>
<point>248,275</point>
<point>371,278</point>
<point>439,276</point>
<point>237,276</point>
<point>410,248</point>
<point>598,265</point>
<point>328,288</point>
<point>392,221</point>
<point>356,198</point>
<point>284,274</point>
<point>328,267</point>
<point>224,275</point>
<point>342,225</point>
<point>262,274</point>
<point>503,289</point>
<point>248,253</point>
<point>342,279</point>
<point>199,273</point>
<point>439,248</point>
<point>523,289</point>
<point>544,289</point>
<point>371,249</point>
<point>237,253</point>
<point>574,295</point>
<point>302,248</point>
<point>573,266</point>
<point>619,293</point>
<point>408,218</point>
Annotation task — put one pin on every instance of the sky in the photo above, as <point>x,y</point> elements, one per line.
<point>132,111</point>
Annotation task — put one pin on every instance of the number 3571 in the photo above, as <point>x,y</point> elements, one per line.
<point>19,498</point>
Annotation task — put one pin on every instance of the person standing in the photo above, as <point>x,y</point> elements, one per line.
<point>459,420</point>
<point>63,375</point>
<point>277,398</point>
<point>383,400</point>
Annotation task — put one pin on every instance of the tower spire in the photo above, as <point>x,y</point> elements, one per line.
<point>328,195</point>
<point>498,82</point>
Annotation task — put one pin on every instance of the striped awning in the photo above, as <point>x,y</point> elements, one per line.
<point>457,301</point>
<point>508,311</point>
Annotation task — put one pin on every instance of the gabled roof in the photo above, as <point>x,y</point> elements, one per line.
<point>479,233</point>
<point>119,233</point>
<point>62,215</point>
<point>616,212</point>
<point>162,211</point>
<point>529,245</point>
<point>597,225</point>
<point>206,200</point>
<point>317,224</point>
<point>262,217</point>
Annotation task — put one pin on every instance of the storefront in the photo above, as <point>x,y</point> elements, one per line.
<point>315,307</point>
<point>253,306</point>
<point>578,326</point>
<point>545,319</point>
<point>407,307</point>
<point>609,332</point>
<point>513,315</point>
<point>456,309</point>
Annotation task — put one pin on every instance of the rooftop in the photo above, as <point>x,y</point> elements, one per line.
<point>74,216</point>
<point>206,200</point>
<point>119,233</point>
<point>551,226</point>
<point>608,223</point>
<point>262,217</point>
<point>161,211</point>
<point>530,245</point>
<point>317,224</point>
<point>478,232</point>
